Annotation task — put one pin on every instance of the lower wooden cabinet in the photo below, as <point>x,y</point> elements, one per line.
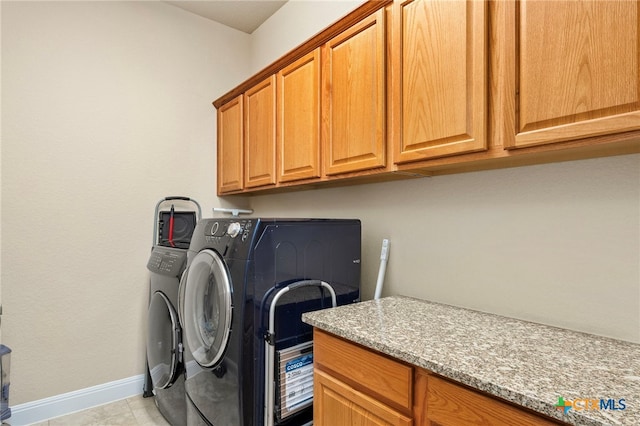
<point>336,403</point>
<point>357,386</point>
<point>354,385</point>
<point>361,369</point>
<point>442,402</point>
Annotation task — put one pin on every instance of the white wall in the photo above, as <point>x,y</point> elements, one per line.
<point>294,23</point>
<point>106,108</point>
<point>557,244</point>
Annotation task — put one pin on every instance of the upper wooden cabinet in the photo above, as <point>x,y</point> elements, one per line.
<point>409,88</point>
<point>575,70</point>
<point>230,146</point>
<point>260,134</point>
<point>353,100</point>
<point>439,78</point>
<point>298,119</point>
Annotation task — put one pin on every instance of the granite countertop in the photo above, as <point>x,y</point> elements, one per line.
<point>529,364</point>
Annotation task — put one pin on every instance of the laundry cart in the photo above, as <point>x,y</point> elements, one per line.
<point>289,370</point>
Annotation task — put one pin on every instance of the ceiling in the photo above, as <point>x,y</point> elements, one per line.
<point>243,15</point>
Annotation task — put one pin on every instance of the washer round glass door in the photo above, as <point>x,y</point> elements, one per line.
<point>207,307</point>
<point>163,341</point>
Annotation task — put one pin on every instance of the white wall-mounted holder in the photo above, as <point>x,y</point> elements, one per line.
<point>232,212</point>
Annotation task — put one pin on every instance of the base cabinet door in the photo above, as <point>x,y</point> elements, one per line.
<point>336,403</point>
<point>576,72</point>
<point>230,146</point>
<point>444,403</point>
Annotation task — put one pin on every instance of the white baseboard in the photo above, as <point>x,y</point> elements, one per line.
<point>67,403</point>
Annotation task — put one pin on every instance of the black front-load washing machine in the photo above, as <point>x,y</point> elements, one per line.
<point>248,355</point>
<point>164,379</point>
<point>164,338</point>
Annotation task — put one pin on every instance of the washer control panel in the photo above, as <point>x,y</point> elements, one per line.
<point>216,231</point>
<point>167,261</point>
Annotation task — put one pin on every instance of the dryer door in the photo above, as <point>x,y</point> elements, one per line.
<point>207,307</point>
<point>164,347</point>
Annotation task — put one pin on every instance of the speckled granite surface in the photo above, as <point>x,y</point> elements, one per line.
<point>526,363</point>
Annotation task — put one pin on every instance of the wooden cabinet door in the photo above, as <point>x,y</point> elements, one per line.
<point>298,128</point>
<point>439,78</point>
<point>359,367</point>
<point>335,403</point>
<point>260,134</point>
<point>576,72</point>
<point>449,404</point>
<point>353,98</point>
<point>230,146</point>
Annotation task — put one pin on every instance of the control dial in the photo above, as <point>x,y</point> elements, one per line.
<point>234,229</point>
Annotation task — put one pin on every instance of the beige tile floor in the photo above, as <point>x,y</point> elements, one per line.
<point>134,411</point>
